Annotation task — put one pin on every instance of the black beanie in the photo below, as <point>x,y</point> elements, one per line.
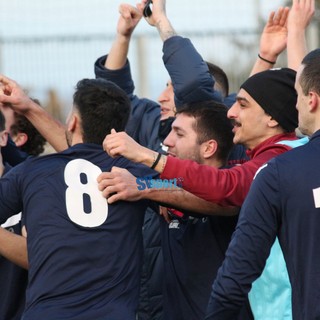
<point>274,91</point>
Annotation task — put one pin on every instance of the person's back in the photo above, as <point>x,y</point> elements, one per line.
<point>84,255</point>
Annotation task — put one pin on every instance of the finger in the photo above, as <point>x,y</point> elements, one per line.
<point>140,8</point>
<point>114,198</point>
<point>105,176</point>
<point>276,18</point>
<point>115,152</point>
<point>109,191</point>
<point>284,16</point>
<point>113,131</point>
<point>104,184</point>
<point>271,17</point>
<point>5,80</point>
<point>111,147</point>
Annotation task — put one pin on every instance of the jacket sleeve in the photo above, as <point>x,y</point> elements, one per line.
<point>10,193</point>
<point>121,77</point>
<point>227,187</point>
<point>189,74</point>
<point>143,124</point>
<point>249,248</point>
<point>12,155</point>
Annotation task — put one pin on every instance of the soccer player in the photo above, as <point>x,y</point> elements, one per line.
<point>84,255</point>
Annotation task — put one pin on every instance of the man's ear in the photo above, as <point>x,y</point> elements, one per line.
<point>314,101</point>
<point>72,123</point>
<point>209,148</point>
<point>271,123</point>
<point>20,139</point>
<point>3,138</point>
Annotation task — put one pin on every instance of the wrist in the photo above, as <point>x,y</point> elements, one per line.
<point>30,107</point>
<point>165,28</point>
<point>161,164</point>
<point>270,59</point>
<point>146,156</point>
<point>123,38</point>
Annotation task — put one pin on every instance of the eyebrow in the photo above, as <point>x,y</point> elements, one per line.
<point>177,128</point>
<point>239,98</point>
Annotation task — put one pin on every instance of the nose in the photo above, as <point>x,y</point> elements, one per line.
<point>169,140</point>
<point>164,95</point>
<point>233,111</point>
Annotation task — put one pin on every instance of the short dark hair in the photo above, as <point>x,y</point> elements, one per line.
<point>211,123</point>
<point>2,121</point>
<point>102,106</point>
<point>310,76</point>
<point>36,142</point>
<point>221,79</point>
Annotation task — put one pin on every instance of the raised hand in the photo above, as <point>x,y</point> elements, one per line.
<point>301,14</point>
<point>299,18</point>
<point>128,20</point>
<point>273,39</point>
<point>13,95</point>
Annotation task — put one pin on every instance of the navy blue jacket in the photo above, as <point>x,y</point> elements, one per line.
<point>11,154</point>
<point>13,279</point>
<point>284,201</point>
<point>143,126</point>
<point>84,255</point>
<point>191,84</point>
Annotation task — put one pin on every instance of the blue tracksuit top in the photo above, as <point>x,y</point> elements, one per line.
<point>284,201</point>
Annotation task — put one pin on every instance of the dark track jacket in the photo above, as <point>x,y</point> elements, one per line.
<point>284,201</point>
<point>191,84</point>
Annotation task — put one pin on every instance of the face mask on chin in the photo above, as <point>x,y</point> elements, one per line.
<point>165,128</point>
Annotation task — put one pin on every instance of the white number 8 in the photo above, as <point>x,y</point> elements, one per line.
<point>85,204</point>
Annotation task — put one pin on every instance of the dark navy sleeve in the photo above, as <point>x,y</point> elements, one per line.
<point>250,246</point>
<point>143,124</point>
<point>189,74</point>
<point>121,77</point>
<point>11,154</point>
<point>10,193</point>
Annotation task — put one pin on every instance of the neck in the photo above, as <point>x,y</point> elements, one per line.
<point>212,162</point>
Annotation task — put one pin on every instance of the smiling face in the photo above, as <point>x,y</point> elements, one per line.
<point>166,100</point>
<point>182,140</point>
<point>251,123</point>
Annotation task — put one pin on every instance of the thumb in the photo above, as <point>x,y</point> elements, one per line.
<point>113,131</point>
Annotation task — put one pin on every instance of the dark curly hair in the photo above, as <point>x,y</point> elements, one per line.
<point>36,142</point>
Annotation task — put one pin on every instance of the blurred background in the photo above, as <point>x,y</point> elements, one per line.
<point>47,46</point>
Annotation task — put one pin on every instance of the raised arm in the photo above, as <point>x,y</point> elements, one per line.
<point>52,130</point>
<point>128,20</point>
<point>189,74</point>
<point>159,19</point>
<point>299,18</point>
<point>273,40</point>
